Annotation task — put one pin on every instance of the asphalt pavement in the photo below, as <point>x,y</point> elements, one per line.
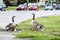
<point>6,16</point>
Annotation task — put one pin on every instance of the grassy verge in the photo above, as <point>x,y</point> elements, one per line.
<point>41,8</point>
<point>51,29</point>
<point>11,8</point>
<point>1,29</point>
<point>14,8</point>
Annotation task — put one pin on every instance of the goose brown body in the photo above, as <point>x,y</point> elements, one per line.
<point>11,26</point>
<point>36,25</point>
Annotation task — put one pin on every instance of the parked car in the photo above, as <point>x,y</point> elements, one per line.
<point>21,7</point>
<point>58,7</point>
<point>48,7</point>
<point>33,7</point>
<point>2,7</point>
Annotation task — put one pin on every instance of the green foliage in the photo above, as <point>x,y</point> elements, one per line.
<point>51,29</point>
<point>41,7</point>
<point>14,3</point>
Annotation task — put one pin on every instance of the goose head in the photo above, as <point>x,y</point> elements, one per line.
<point>13,18</point>
<point>33,16</point>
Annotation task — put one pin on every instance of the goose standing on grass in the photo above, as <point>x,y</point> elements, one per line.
<point>11,26</point>
<point>36,25</point>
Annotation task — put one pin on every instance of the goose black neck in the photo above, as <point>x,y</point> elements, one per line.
<point>13,19</point>
<point>33,17</point>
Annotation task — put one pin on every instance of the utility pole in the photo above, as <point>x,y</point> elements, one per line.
<point>27,4</point>
<point>51,1</point>
<point>37,1</point>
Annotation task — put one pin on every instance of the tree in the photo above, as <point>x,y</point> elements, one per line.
<point>17,2</point>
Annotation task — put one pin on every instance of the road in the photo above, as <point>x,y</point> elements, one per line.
<point>6,36</point>
<point>5,18</point>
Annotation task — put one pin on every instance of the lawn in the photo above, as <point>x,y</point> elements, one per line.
<point>41,8</point>
<point>51,29</point>
<point>10,8</point>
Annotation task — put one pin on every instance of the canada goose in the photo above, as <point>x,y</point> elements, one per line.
<point>36,25</point>
<point>11,26</point>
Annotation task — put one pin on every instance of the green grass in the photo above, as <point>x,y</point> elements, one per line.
<point>1,29</point>
<point>51,29</point>
<point>41,8</point>
<point>14,8</point>
<point>11,8</point>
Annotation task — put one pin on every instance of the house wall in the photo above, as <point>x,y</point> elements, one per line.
<point>41,2</point>
<point>1,1</point>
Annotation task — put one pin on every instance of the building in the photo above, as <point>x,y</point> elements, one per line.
<point>41,2</point>
<point>51,1</point>
<point>57,1</point>
<point>1,1</point>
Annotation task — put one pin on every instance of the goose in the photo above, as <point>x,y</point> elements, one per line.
<point>11,26</point>
<point>36,26</point>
